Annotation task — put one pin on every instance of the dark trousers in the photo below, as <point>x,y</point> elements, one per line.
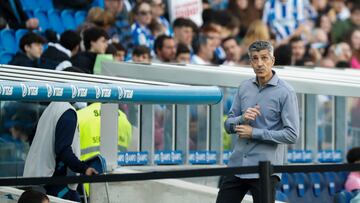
<point>233,189</point>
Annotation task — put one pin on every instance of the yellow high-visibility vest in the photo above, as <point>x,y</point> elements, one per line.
<point>89,124</point>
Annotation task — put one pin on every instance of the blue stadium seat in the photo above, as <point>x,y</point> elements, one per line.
<point>98,3</point>
<point>55,21</point>
<point>80,17</point>
<point>315,181</point>
<point>19,34</point>
<point>8,40</point>
<point>5,57</point>
<point>331,181</point>
<point>45,5</point>
<point>285,183</point>
<point>68,19</point>
<point>43,19</point>
<point>301,186</point>
<point>29,4</point>
<point>280,196</point>
<point>29,13</point>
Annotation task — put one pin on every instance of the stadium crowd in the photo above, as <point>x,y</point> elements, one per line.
<point>305,33</point>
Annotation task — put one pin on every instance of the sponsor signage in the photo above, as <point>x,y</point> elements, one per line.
<point>226,156</point>
<point>62,92</point>
<point>299,156</point>
<point>329,156</point>
<point>168,157</point>
<point>132,158</point>
<point>202,157</point>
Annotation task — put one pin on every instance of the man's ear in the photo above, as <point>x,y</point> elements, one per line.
<point>27,48</point>
<point>273,60</point>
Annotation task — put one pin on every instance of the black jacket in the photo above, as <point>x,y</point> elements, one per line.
<point>20,59</point>
<point>85,61</point>
<point>52,57</point>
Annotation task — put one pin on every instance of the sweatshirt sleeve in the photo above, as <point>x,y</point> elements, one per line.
<point>64,135</point>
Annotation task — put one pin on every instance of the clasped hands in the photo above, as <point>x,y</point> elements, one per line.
<point>245,130</point>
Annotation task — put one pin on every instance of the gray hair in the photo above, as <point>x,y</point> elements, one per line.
<point>261,45</point>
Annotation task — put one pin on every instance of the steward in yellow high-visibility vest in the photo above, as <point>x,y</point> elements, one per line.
<point>89,124</point>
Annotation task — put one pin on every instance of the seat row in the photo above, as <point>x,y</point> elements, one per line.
<point>45,5</point>
<point>310,187</point>
<point>59,21</point>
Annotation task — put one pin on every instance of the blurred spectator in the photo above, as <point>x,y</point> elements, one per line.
<point>141,54</point>
<point>321,7</point>
<point>165,49</point>
<point>283,55</point>
<point>298,49</point>
<point>122,32</point>
<point>326,63</point>
<point>20,119</point>
<point>117,50</point>
<point>213,34</point>
<point>341,54</point>
<point>352,182</point>
<point>158,11</point>
<point>285,18</point>
<point>238,8</point>
<point>141,33</point>
<point>31,47</point>
<point>338,10</point>
<point>71,4</point>
<point>33,196</point>
<point>233,51</point>
<point>156,29</point>
<point>257,31</point>
<point>341,28</point>
<point>203,50</point>
<point>15,17</point>
<point>324,23</point>
<point>95,42</point>
<point>355,45</point>
<point>183,54</point>
<point>184,31</point>
<point>101,18</point>
<point>206,4</point>
<point>58,52</point>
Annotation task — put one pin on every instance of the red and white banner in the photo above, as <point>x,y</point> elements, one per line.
<point>187,9</point>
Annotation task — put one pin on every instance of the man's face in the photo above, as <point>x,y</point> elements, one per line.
<point>298,50</point>
<point>184,35</point>
<point>183,58</point>
<point>232,50</point>
<point>99,46</point>
<point>214,38</point>
<point>114,6</point>
<point>355,17</point>
<point>34,50</point>
<point>262,63</point>
<point>119,56</point>
<point>338,5</point>
<point>143,16</point>
<point>168,51</point>
<point>208,49</point>
<point>157,8</point>
<point>143,58</point>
